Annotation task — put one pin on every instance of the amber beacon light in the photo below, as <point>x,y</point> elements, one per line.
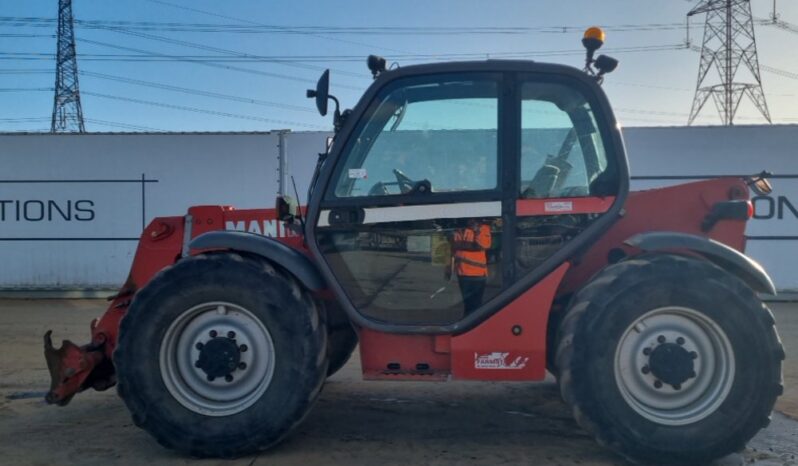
<point>593,40</point>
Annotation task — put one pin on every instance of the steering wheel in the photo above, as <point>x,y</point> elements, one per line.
<point>405,183</point>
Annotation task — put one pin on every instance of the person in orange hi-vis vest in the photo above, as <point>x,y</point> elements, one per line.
<point>470,262</point>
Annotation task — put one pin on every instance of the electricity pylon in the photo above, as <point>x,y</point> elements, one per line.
<point>729,42</point>
<point>67,112</point>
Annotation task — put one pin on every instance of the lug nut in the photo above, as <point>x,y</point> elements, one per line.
<point>242,365</point>
<point>646,351</point>
<point>243,348</point>
<point>661,338</point>
<point>231,334</point>
<point>657,384</point>
<point>199,345</point>
<point>212,333</point>
<point>645,369</point>
<point>680,341</point>
<point>693,355</point>
<point>228,377</point>
<point>211,378</point>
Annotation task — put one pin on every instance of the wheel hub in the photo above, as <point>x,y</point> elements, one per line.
<point>219,357</point>
<point>672,364</point>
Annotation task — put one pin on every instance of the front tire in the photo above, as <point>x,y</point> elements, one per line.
<point>669,359</point>
<point>221,355</point>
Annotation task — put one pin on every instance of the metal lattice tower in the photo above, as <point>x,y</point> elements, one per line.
<point>729,42</point>
<point>67,112</point>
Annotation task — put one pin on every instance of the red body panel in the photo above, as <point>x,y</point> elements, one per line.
<point>511,345</point>
<point>680,208</point>
<point>387,356</point>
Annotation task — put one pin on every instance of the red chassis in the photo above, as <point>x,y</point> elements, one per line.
<point>487,352</point>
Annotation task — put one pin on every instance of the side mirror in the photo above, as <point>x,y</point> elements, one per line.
<point>321,93</point>
<point>287,208</point>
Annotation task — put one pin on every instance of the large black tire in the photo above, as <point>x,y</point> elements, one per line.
<point>255,296</point>
<point>647,300</point>
<point>342,338</point>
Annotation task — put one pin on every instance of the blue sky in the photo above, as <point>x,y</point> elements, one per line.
<point>649,88</point>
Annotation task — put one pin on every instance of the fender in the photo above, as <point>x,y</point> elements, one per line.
<point>298,264</point>
<point>742,266</point>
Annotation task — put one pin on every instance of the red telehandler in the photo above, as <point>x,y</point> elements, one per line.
<point>642,304</point>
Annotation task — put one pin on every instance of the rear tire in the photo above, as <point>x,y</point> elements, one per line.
<point>669,359</point>
<point>221,355</point>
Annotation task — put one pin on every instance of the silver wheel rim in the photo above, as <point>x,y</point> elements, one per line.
<point>231,326</point>
<point>674,330</point>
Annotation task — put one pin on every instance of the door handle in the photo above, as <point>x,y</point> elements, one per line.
<point>347,216</point>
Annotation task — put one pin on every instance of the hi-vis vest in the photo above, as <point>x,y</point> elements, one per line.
<point>470,244</point>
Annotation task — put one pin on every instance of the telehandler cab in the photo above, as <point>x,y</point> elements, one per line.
<point>470,221</point>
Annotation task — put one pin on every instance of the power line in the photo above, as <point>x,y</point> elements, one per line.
<point>115,124</point>
<point>253,27</point>
<point>240,20</point>
<point>28,36</point>
<point>26,71</point>
<point>156,57</point>
<point>770,69</point>
<point>775,21</point>
<point>198,92</point>
<point>212,64</point>
<point>209,48</point>
<point>27,89</point>
<point>23,119</point>
<point>199,110</point>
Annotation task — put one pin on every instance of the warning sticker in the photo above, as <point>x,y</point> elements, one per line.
<point>558,206</point>
<point>357,173</point>
<point>499,360</point>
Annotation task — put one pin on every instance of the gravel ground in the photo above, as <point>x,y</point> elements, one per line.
<point>354,422</point>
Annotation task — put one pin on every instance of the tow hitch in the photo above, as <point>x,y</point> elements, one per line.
<point>70,367</point>
<point>75,368</point>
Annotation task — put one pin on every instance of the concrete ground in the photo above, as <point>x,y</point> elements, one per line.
<point>354,422</point>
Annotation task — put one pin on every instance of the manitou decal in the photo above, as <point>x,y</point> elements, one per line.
<point>498,360</point>
<point>270,228</point>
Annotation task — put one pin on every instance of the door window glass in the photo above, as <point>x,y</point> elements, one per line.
<point>562,154</point>
<point>433,271</point>
<point>419,261</point>
<point>438,134</point>
<point>562,158</point>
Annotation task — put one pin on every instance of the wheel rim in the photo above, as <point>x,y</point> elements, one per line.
<point>217,359</point>
<point>674,366</point>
